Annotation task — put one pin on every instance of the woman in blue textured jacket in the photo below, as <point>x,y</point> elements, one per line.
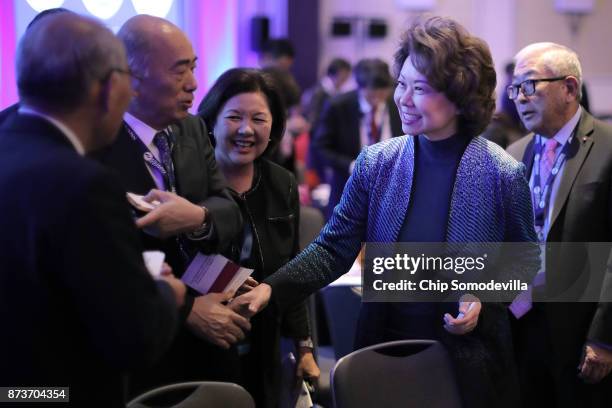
<point>439,183</point>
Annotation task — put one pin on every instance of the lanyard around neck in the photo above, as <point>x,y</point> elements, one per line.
<point>541,194</point>
<point>147,155</point>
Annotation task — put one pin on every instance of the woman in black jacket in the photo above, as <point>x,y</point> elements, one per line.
<point>247,118</point>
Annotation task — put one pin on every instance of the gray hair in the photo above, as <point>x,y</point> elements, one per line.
<point>60,57</point>
<point>559,60</point>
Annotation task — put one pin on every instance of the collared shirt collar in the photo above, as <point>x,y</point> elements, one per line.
<point>365,107</point>
<point>566,131</point>
<point>328,85</point>
<point>144,132</point>
<point>70,135</point>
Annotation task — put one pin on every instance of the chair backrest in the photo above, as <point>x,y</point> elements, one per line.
<point>205,394</point>
<point>407,373</point>
<point>342,304</point>
<point>311,222</point>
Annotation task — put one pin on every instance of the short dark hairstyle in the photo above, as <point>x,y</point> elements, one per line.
<point>372,73</point>
<point>286,85</point>
<point>278,47</point>
<point>61,56</point>
<point>336,65</point>
<point>455,63</point>
<point>46,13</point>
<point>244,80</point>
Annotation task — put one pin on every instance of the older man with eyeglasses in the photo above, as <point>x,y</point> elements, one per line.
<point>564,349</point>
<point>77,305</point>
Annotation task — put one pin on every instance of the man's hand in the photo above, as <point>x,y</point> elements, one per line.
<point>466,320</point>
<point>174,215</point>
<point>178,287</point>
<point>307,368</point>
<point>215,322</point>
<point>253,301</point>
<point>596,363</point>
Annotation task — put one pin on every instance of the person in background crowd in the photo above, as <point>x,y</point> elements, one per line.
<point>276,58</point>
<point>353,120</point>
<point>314,100</point>
<point>505,127</point>
<point>246,115</point>
<point>296,125</point>
<point>78,306</point>
<point>277,53</point>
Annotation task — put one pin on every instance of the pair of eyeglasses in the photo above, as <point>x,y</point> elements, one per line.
<point>528,87</point>
<point>122,71</point>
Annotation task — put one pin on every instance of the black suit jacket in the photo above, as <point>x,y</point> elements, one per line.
<point>77,306</point>
<point>197,178</point>
<point>337,139</point>
<point>582,212</point>
<point>9,111</point>
<point>199,181</point>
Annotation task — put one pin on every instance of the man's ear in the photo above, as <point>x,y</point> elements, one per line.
<point>135,85</point>
<point>573,87</point>
<point>105,91</point>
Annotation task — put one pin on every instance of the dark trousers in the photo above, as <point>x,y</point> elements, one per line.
<point>548,376</point>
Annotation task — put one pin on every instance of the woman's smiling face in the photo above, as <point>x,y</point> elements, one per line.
<point>423,109</point>
<point>242,129</point>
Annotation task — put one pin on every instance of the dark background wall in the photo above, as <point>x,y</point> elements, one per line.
<point>303,31</point>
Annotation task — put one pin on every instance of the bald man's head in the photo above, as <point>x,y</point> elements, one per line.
<point>162,61</point>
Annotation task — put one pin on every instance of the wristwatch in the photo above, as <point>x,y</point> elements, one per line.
<point>203,230</point>
<point>306,343</point>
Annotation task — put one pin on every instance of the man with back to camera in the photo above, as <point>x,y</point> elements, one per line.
<point>12,109</point>
<point>78,306</point>
<point>163,152</point>
<point>564,350</point>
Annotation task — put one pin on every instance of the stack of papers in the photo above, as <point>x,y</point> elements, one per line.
<point>215,274</point>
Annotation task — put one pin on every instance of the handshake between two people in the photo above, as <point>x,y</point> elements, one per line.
<point>220,318</point>
<point>223,318</point>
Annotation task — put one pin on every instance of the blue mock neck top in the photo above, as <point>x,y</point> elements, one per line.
<point>435,167</point>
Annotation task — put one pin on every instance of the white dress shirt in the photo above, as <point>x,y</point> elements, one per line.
<point>381,118</point>
<point>146,134</point>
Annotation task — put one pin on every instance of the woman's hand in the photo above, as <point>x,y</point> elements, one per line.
<point>466,320</point>
<point>307,367</point>
<point>246,287</point>
<point>253,301</point>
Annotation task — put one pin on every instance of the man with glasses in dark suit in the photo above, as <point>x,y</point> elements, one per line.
<point>77,305</point>
<point>564,350</point>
